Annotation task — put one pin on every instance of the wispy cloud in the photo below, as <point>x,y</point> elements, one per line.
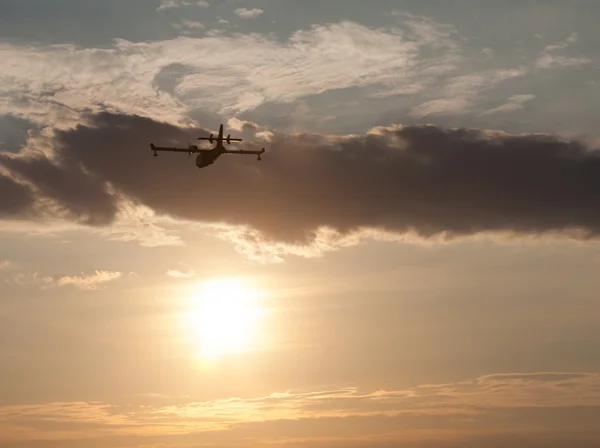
<point>254,246</point>
<point>85,282</point>
<point>549,58</point>
<point>134,222</point>
<point>170,4</point>
<point>246,13</point>
<point>175,273</point>
<point>460,93</point>
<point>488,53</point>
<point>69,80</point>
<point>435,406</point>
<point>203,3</point>
<point>515,102</point>
<point>188,24</point>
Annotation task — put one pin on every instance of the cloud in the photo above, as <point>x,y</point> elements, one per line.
<point>203,3</point>
<point>17,199</point>
<point>246,13</point>
<point>188,25</point>
<point>70,80</point>
<point>85,282</point>
<point>562,45</point>
<point>488,53</point>
<point>548,58</point>
<point>545,400</point>
<point>74,190</point>
<point>515,102</point>
<point>255,247</point>
<point>5,264</point>
<point>135,222</point>
<point>179,274</point>
<point>421,181</point>
<point>460,93</point>
<point>170,4</point>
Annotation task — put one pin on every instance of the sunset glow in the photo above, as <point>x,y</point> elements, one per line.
<point>299,224</point>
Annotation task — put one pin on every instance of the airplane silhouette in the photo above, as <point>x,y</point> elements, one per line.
<point>209,156</point>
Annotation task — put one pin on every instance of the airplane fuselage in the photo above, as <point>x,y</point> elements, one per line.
<point>208,157</point>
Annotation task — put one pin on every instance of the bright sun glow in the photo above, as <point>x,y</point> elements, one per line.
<point>225,317</point>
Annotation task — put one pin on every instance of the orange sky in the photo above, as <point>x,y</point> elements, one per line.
<point>413,264</point>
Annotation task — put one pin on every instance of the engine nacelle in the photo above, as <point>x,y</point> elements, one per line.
<point>210,139</point>
<point>229,139</point>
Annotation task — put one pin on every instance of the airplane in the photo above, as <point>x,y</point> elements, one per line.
<point>207,157</point>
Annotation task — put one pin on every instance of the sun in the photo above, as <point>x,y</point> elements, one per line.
<point>225,316</point>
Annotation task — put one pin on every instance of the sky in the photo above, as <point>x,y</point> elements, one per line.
<point>413,263</point>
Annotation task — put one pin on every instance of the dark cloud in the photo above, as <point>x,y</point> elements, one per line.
<point>419,178</point>
<point>80,194</point>
<point>15,199</point>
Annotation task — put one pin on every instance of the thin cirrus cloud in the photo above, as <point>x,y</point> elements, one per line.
<point>246,13</point>
<point>176,273</point>
<point>479,404</point>
<point>69,79</point>
<point>515,102</point>
<point>171,4</point>
<point>84,282</point>
<point>549,58</point>
<point>459,94</point>
<point>424,181</point>
<point>188,27</point>
<point>415,56</point>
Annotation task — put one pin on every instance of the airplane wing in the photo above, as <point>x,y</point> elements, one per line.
<point>244,151</point>
<point>190,150</point>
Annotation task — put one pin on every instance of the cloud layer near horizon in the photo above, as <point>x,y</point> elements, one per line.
<point>528,403</point>
<point>420,179</point>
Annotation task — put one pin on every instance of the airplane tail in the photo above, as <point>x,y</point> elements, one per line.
<point>220,137</point>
